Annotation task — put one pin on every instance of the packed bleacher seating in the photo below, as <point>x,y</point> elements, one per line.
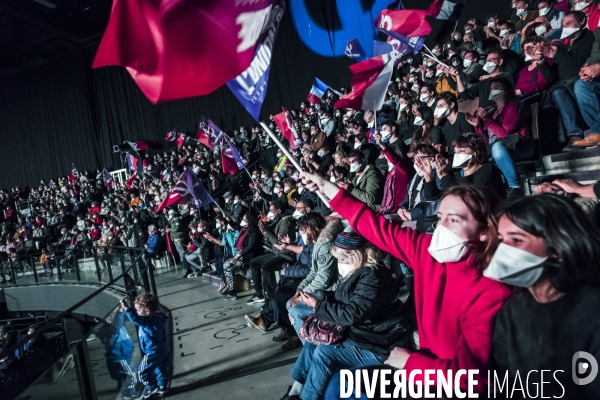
<point>426,202</point>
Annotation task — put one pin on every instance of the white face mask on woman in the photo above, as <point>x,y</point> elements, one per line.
<point>345,269</point>
<point>514,266</point>
<point>270,216</point>
<point>418,121</point>
<point>461,160</point>
<point>446,246</point>
<point>496,95</point>
<point>243,224</point>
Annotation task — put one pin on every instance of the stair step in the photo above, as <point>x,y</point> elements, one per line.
<point>574,161</point>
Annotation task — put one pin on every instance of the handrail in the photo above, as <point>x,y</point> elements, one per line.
<point>11,350</point>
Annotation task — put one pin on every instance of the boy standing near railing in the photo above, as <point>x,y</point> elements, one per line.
<point>152,325</point>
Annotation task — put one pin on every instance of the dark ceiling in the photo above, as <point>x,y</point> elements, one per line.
<point>32,31</point>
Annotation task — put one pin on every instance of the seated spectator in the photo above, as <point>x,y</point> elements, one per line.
<point>397,178</point>
<point>248,245</point>
<point>549,252</point>
<point>378,320</point>
<point>546,30</point>
<point>455,124</point>
<point>552,15</point>
<point>493,68</point>
<point>567,61</point>
<point>263,268</point>
<point>309,228</point>
<point>196,254</point>
<point>426,132</point>
<point>586,93</point>
<point>466,215</point>
<point>525,14</point>
<point>367,183</point>
<point>504,132</point>
<point>531,79</point>
<point>470,157</point>
<point>427,96</point>
<point>415,193</point>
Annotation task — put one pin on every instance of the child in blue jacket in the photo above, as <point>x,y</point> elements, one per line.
<point>152,325</point>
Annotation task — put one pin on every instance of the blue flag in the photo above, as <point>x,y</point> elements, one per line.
<point>250,87</point>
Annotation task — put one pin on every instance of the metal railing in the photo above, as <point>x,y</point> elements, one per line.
<point>120,279</point>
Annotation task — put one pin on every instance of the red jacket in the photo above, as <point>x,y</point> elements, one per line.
<point>506,122</point>
<point>456,306</point>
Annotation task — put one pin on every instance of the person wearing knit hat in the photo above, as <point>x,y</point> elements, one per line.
<point>366,304</point>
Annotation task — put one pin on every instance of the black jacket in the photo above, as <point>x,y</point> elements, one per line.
<point>367,302</point>
<point>252,245</point>
<point>569,59</point>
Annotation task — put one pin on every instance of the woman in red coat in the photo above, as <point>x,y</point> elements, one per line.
<point>455,304</point>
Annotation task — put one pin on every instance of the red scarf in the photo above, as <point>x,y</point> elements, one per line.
<point>239,244</point>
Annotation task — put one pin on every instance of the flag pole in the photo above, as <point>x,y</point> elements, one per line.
<point>436,60</point>
<point>291,158</point>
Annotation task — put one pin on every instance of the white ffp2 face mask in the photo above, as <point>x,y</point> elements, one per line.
<point>467,63</point>
<point>461,160</point>
<point>496,95</point>
<point>297,214</point>
<point>489,67</point>
<point>345,269</point>
<point>515,266</point>
<point>543,11</point>
<point>441,112</point>
<point>580,6</point>
<point>446,246</point>
<point>540,30</point>
<point>566,32</point>
<point>424,97</point>
<point>418,121</point>
<point>355,167</point>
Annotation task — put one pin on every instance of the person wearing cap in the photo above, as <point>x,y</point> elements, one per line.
<point>366,303</point>
<point>175,229</point>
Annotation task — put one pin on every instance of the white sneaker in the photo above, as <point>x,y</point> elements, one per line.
<point>192,275</point>
<point>92,337</point>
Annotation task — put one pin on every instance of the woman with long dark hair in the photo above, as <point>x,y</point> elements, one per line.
<point>248,246</point>
<point>426,132</point>
<point>550,252</point>
<point>504,131</point>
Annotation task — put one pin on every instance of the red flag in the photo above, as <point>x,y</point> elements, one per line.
<point>209,134</point>
<point>286,125</point>
<point>74,175</point>
<point>370,80</point>
<point>129,181</point>
<point>162,43</point>
<point>227,159</point>
<point>409,23</point>
<point>180,140</point>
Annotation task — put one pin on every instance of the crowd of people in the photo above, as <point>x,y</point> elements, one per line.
<point>423,192</point>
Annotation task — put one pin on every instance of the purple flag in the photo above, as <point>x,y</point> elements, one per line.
<point>355,50</point>
<point>250,87</point>
<point>108,179</point>
<point>187,189</point>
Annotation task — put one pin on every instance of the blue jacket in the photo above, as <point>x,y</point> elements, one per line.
<point>152,242</point>
<point>302,266</point>
<point>152,331</point>
<point>116,340</point>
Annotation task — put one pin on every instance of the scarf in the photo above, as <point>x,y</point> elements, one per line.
<point>239,244</point>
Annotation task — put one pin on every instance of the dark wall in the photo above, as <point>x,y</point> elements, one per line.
<point>64,112</point>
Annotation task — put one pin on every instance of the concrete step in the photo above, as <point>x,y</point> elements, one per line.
<point>569,162</point>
